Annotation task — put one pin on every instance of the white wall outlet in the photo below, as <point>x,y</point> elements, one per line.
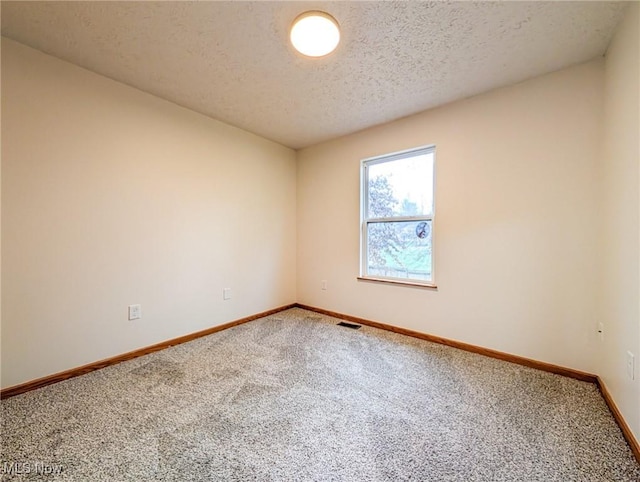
<point>226,294</point>
<point>324,284</point>
<point>631,365</point>
<point>601,331</point>
<point>135,312</point>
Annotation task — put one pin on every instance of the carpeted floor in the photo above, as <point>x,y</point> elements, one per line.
<point>295,397</point>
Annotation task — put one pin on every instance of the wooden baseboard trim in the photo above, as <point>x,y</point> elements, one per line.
<point>634,445</point>
<point>75,372</point>
<point>528,362</point>
<point>548,367</point>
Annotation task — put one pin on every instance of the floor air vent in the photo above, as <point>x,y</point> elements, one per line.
<point>349,325</point>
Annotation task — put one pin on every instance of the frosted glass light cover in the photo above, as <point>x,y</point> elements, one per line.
<point>315,34</point>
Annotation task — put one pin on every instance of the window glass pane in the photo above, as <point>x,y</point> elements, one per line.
<point>399,250</point>
<point>403,187</point>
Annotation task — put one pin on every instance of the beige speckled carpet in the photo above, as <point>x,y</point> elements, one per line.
<point>294,397</point>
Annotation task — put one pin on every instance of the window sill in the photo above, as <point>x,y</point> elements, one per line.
<point>415,284</point>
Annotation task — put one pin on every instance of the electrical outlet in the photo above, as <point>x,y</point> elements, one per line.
<point>631,365</point>
<point>135,312</point>
<point>226,294</point>
<point>601,331</point>
<point>324,284</point>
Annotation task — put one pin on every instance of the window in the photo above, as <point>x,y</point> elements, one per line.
<point>397,212</point>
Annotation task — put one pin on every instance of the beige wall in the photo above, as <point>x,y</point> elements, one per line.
<point>111,197</point>
<point>620,282</point>
<point>515,234</point>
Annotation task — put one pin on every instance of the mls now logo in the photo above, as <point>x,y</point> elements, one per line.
<point>19,468</point>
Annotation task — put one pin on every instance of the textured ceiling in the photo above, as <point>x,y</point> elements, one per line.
<point>232,61</point>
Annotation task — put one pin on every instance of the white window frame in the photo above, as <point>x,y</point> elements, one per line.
<point>365,220</point>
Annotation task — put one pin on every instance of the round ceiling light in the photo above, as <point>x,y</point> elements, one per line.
<point>315,34</point>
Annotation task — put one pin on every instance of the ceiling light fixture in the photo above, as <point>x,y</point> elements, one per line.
<point>315,34</point>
